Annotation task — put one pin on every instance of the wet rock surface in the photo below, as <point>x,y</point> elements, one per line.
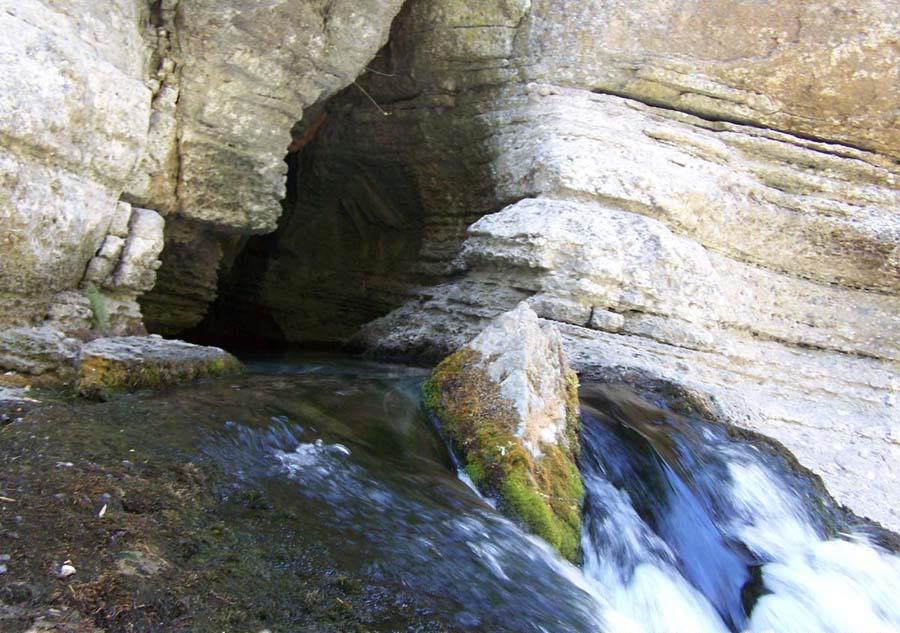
<point>282,500</point>
<point>740,251</point>
<point>726,176</point>
<point>171,553</point>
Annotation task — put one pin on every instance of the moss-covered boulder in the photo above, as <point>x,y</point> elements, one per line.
<point>508,402</point>
<point>111,365</point>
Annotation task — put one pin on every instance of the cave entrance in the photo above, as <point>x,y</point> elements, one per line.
<point>343,254</point>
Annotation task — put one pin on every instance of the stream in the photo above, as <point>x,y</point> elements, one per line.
<point>686,528</point>
<point>331,475</point>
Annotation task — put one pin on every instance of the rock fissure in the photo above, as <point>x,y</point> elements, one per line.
<point>823,142</point>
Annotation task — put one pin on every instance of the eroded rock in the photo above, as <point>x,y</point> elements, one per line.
<point>509,403</point>
<point>247,75</point>
<point>736,233</point>
<point>111,365</point>
<point>38,350</point>
<point>74,112</point>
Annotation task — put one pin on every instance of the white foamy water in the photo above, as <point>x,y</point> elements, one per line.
<point>639,549</point>
<point>817,585</point>
<point>635,570</point>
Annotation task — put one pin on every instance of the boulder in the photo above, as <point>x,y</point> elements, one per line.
<point>508,402</point>
<point>127,363</point>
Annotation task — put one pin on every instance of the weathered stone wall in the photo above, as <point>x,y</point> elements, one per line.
<point>813,68</point>
<point>704,193</point>
<point>74,112</point>
<point>180,108</point>
<point>716,212</point>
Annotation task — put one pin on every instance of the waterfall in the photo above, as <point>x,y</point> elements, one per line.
<point>687,529</point>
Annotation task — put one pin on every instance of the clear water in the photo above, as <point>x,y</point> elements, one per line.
<point>686,529</point>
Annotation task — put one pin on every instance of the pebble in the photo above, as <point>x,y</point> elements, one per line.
<point>2,569</point>
<point>66,570</point>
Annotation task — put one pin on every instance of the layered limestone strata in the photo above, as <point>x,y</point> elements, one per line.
<point>245,74</point>
<point>701,193</point>
<point>74,112</point>
<point>748,255</point>
<point>492,102</point>
<point>248,71</point>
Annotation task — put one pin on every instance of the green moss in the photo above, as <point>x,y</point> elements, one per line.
<point>99,311</point>
<point>217,366</point>
<point>545,495</point>
<point>100,377</point>
<point>573,413</point>
<point>475,471</point>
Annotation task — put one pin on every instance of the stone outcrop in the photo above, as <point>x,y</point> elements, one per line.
<point>188,280</point>
<point>111,365</point>
<point>182,108</point>
<point>247,72</point>
<point>105,366</point>
<point>36,351</point>
<point>509,403</point>
<point>74,112</point>
<point>816,69</point>
<point>123,269</point>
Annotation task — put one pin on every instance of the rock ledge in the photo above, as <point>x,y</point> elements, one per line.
<point>126,363</point>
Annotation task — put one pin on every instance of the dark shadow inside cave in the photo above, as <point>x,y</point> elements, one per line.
<point>343,254</point>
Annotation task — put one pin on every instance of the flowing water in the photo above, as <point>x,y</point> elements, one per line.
<point>686,528</point>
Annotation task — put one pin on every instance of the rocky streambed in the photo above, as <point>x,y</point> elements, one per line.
<point>315,494</point>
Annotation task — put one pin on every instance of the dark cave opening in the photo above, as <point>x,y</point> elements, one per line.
<point>380,193</point>
<point>344,252</point>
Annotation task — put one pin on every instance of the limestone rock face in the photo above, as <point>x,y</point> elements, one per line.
<point>248,71</point>
<point>526,360</point>
<point>124,268</point>
<point>73,116</point>
<point>509,403</point>
<point>717,213</point>
<point>821,69</point>
<point>175,107</point>
<point>187,281</point>
<point>234,79</point>
<point>702,192</point>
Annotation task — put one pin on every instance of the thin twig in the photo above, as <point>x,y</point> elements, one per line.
<point>363,90</point>
<point>378,72</point>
